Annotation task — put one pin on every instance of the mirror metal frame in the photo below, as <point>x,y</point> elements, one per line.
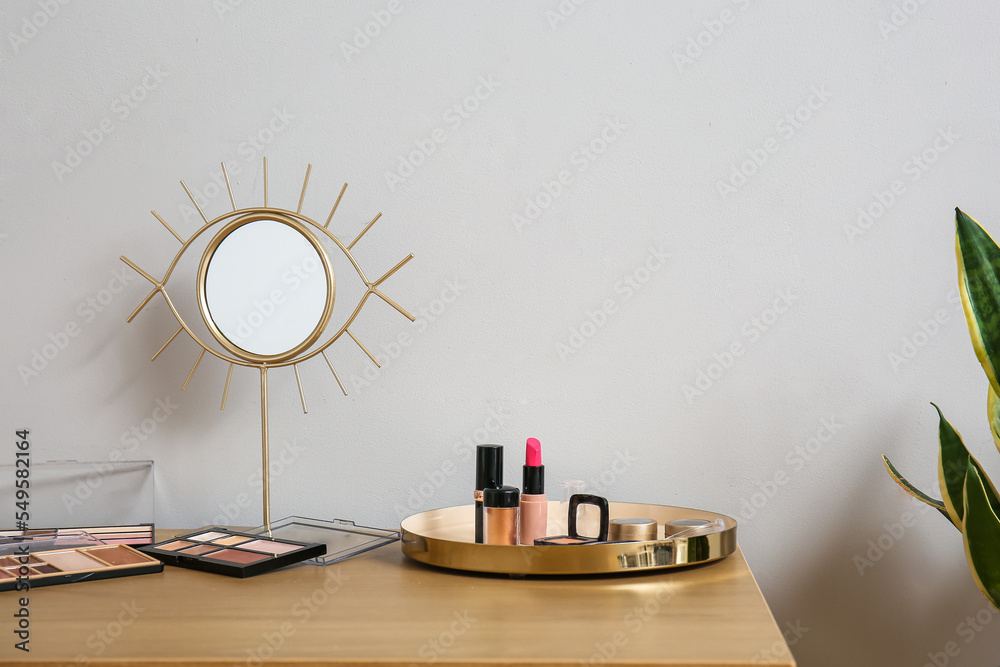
<point>206,259</point>
<point>240,357</point>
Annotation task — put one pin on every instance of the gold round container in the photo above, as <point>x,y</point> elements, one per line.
<point>688,524</point>
<point>632,530</point>
<point>446,538</point>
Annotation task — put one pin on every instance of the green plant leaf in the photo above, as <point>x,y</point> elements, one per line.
<point>953,462</point>
<point>914,491</point>
<point>981,536</point>
<point>979,285</point>
<point>993,413</point>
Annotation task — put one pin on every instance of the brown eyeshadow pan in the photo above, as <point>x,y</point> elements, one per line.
<point>234,540</point>
<point>236,556</point>
<point>270,547</point>
<point>116,555</point>
<point>71,560</point>
<point>200,549</point>
<point>175,546</point>
<point>207,537</point>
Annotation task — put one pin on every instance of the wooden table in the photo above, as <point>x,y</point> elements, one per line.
<point>382,608</point>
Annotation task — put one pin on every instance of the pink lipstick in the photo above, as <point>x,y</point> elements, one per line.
<point>534,505</point>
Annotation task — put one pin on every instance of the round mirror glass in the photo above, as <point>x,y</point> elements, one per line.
<point>266,288</point>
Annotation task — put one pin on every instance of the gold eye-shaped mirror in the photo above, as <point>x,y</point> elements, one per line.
<point>265,290</point>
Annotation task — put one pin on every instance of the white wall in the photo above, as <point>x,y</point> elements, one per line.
<point>881,93</point>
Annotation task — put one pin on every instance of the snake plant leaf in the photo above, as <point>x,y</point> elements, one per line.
<point>915,492</point>
<point>953,462</point>
<point>993,412</point>
<point>979,286</point>
<point>981,535</point>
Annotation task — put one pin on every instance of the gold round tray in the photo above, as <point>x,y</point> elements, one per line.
<point>445,538</point>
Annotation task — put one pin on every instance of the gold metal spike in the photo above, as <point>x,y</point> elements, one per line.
<point>337,377</point>
<point>229,187</point>
<point>169,341</point>
<point>361,345</point>
<point>193,368</point>
<point>335,205</point>
<point>369,226</point>
<point>305,183</point>
<point>298,380</point>
<point>191,197</point>
<point>225,392</point>
<point>169,228</point>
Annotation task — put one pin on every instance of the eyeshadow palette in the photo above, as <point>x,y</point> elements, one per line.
<point>224,551</point>
<point>67,566</point>
<point>136,535</point>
